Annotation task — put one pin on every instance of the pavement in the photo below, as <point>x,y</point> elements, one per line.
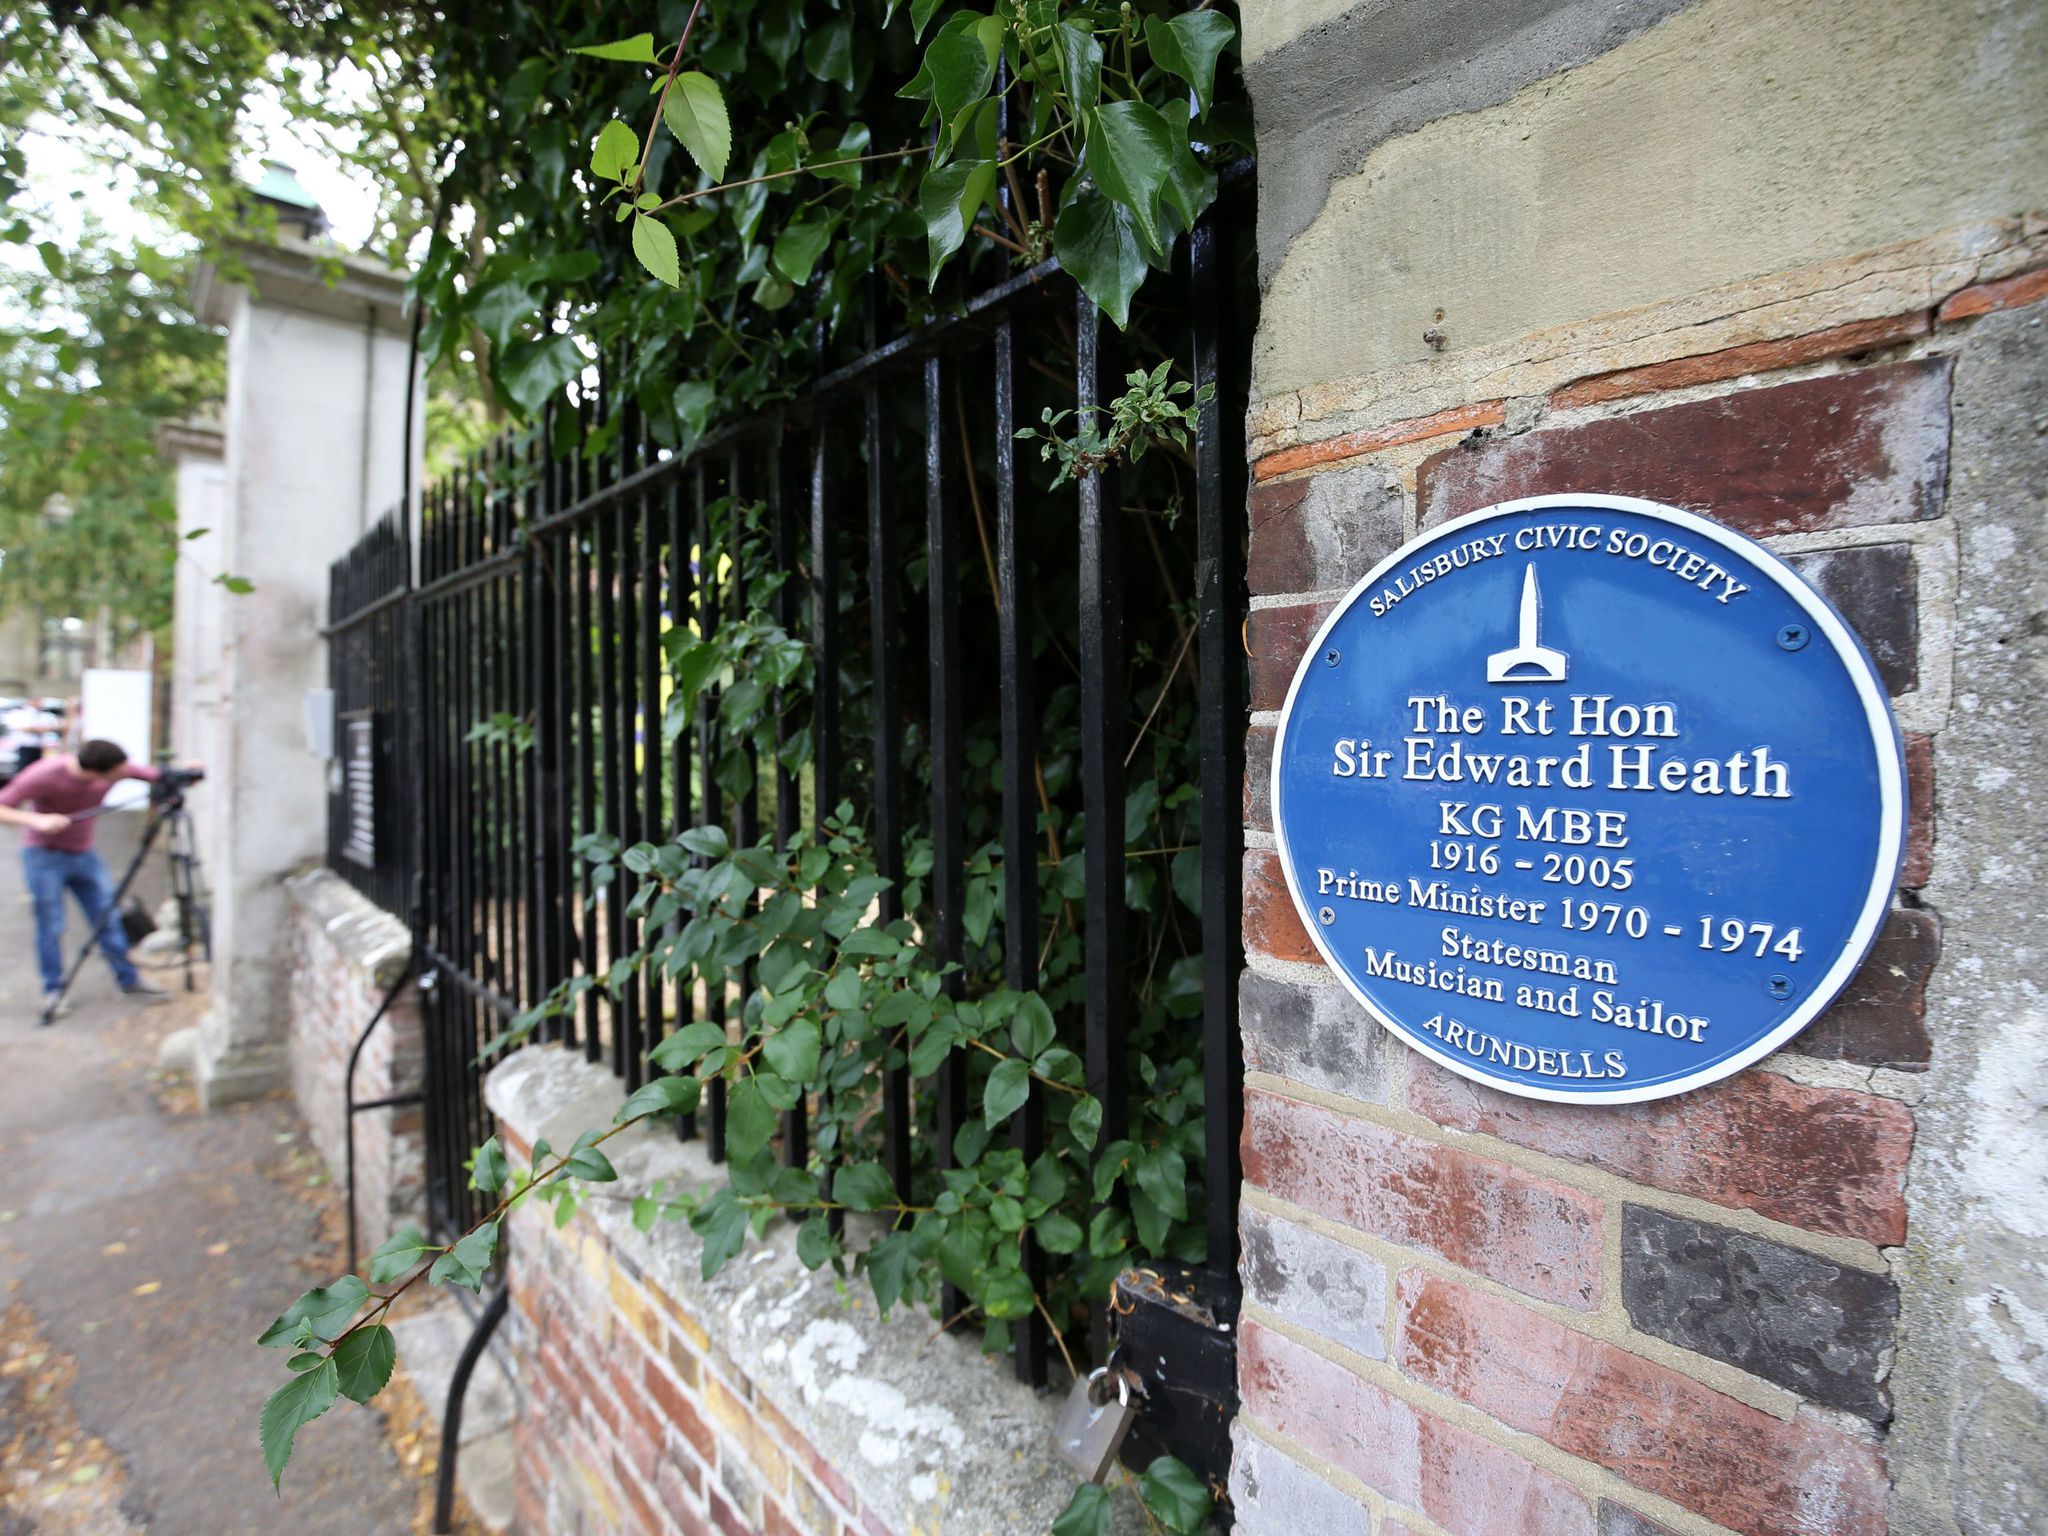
<point>143,1246</point>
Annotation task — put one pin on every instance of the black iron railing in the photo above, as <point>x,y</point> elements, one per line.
<point>937,582</point>
<point>370,669</point>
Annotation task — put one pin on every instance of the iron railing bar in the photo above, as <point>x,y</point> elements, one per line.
<point>714,796</point>
<point>938,335</point>
<point>888,771</point>
<point>369,610</point>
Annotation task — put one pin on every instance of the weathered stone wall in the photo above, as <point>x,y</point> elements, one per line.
<point>343,954</point>
<point>768,1399</point>
<point>1781,265</point>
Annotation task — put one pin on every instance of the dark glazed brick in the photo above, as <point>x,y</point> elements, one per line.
<point>1841,451</point>
<point>1876,589</point>
<point>1258,777</point>
<point>1315,1035</point>
<point>1322,531</point>
<point>1275,638</point>
<point>1880,1020</point>
<point>1619,1520</point>
<point>1816,1328</point>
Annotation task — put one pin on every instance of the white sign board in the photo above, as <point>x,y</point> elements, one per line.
<point>115,706</point>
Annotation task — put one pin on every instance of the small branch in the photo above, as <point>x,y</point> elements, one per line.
<point>1058,1338</point>
<point>1164,688</point>
<point>795,170</point>
<point>983,1045</point>
<point>674,64</point>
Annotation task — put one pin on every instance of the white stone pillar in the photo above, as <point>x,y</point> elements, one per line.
<point>316,451</point>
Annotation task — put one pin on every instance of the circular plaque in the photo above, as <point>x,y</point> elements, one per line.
<point>1589,798</point>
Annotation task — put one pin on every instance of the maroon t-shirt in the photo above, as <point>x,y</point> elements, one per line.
<point>49,785</point>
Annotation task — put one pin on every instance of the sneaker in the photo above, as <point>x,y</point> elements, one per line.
<point>54,1007</point>
<point>148,991</point>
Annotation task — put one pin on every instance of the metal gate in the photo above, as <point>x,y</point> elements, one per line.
<point>529,639</point>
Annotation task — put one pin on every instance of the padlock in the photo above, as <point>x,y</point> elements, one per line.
<point>1093,1421</point>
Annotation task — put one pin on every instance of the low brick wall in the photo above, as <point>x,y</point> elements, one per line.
<point>1481,1314</point>
<point>769,1399</point>
<point>344,955</point>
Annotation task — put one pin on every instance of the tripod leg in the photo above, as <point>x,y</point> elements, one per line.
<point>113,915</point>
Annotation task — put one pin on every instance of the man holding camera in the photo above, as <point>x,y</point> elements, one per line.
<point>49,800</point>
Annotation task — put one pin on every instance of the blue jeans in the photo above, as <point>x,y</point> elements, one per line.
<point>49,873</point>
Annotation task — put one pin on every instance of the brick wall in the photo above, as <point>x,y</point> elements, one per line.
<point>343,956</point>
<point>1489,1316</point>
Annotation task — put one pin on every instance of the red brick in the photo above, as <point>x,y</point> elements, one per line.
<point>2007,293</point>
<point>728,1519</point>
<point>680,1479</point>
<point>1459,418</point>
<point>645,1516</point>
<point>1275,639</point>
<point>1845,450</point>
<point>1466,1484</point>
<point>1880,1019</point>
<point>1659,1430</point>
<point>1525,1231</point>
<point>1258,777</point>
<point>681,1413</point>
<point>1271,924</point>
<point>1825,1159</point>
<point>826,1473</point>
<point>1919,865</point>
<point>778,1523</point>
<point>1737,362</point>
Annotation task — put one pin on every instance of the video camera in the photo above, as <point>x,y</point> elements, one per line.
<point>172,783</point>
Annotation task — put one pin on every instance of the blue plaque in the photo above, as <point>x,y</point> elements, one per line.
<point>1589,798</point>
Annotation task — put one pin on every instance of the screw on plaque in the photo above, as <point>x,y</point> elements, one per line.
<point>1793,637</point>
<point>1779,987</point>
<point>1332,656</point>
<point>1325,916</point>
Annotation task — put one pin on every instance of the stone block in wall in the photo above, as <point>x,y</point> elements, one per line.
<point>1825,1159</point>
<point>1533,1234</point>
<point>1318,1036</point>
<point>1820,1329</point>
<point>1272,1494</point>
<point>1313,1281</point>
<point>1880,1018</point>
<point>1658,1430</point>
<point>1258,777</point>
<point>1276,637</point>
<point>1322,531</point>
<point>1877,592</point>
<point>1840,451</point>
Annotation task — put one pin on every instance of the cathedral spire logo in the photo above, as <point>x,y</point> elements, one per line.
<point>1527,661</point>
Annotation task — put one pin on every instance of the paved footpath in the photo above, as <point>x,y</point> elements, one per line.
<point>143,1247</point>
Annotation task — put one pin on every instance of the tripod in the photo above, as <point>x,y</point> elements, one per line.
<point>167,812</point>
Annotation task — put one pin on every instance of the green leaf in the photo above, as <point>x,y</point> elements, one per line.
<point>1008,1087</point>
<point>814,1242</point>
<point>1080,66</point>
<point>1086,1122</point>
<point>828,53</point>
<point>792,1052</point>
<point>306,1360</point>
<point>638,49</point>
<point>863,1186</point>
<point>561,267</point>
<point>686,1047</point>
<point>291,1408</point>
<point>798,248</point>
<point>1087,1513</point>
<point>1178,1497</point>
<point>722,1222</point>
<point>1188,46</point>
<point>889,1264</point>
<point>1057,1233</point>
<point>241,586</point>
<point>749,1120</point>
<point>1031,1032</point>
<point>531,371</point>
<point>587,1163</point>
<point>405,1249</point>
<point>948,199</point>
<point>962,66</point>
<point>465,1263</point>
<point>710,842</point>
<point>325,1310</point>
<point>663,1096</point>
<point>695,113</point>
<point>489,1169</point>
<point>616,152</point>
<point>364,1360</point>
<point>1130,153</point>
<point>654,244</point>
<point>853,142</point>
<point>1096,241</point>
<point>1163,1175</point>
<point>921,17</point>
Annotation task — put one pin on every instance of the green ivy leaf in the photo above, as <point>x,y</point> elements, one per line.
<point>962,64</point>
<point>1057,1233</point>
<point>1031,1031</point>
<point>363,1362</point>
<point>489,1168</point>
<point>587,1163</point>
<point>828,53</point>
<point>792,1052</point>
<point>921,17</point>
<point>798,248</point>
<point>709,842</point>
<point>1178,1497</point>
<point>1080,58</point>
<point>815,1243</point>
<point>325,1311</point>
<point>637,49</point>
<point>1086,1121</point>
<point>889,1265</point>
<point>1087,1513</point>
<point>530,371</point>
<point>948,199</point>
<point>687,1046</point>
<point>616,152</point>
<point>749,1120</point>
<point>466,1262</point>
<point>1163,1175</point>
<point>396,1257</point>
<point>663,1096</point>
<point>654,245</point>
<point>1008,1087</point>
<point>722,1222</point>
<point>291,1408</point>
<point>1188,46</point>
<point>863,1186</point>
<point>695,114</point>
<point>1096,241</point>
<point>1130,153</point>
